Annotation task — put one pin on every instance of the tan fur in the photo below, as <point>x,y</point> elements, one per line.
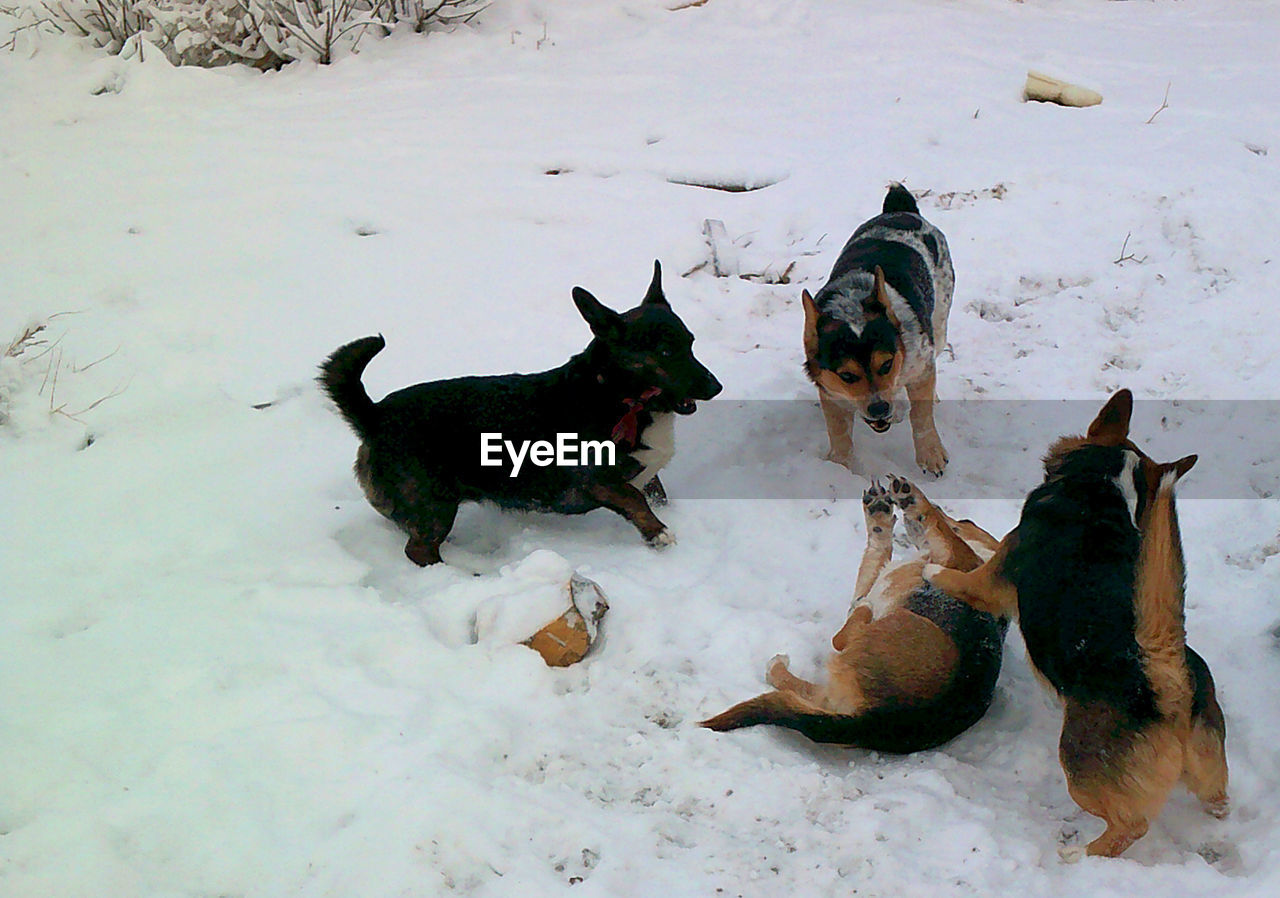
<point>930,526</point>
<point>1204,769</point>
<point>975,536</point>
<point>858,618</point>
<point>901,654</point>
<point>810,324</point>
<point>1113,771</point>
<point>877,554</point>
<point>1158,601</point>
<point>922,394</point>
<point>1129,790</point>
<point>985,588</point>
<point>897,653</point>
<point>839,427</point>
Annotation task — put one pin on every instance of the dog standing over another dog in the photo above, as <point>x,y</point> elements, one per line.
<point>1094,572</point>
<point>420,451</point>
<point>874,330</point>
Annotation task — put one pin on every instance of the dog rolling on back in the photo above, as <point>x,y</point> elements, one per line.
<point>1094,571</point>
<point>420,450</point>
<point>874,330</point>
<point>913,667</point>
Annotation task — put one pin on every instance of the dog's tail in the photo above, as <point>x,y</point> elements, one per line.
<point>896,730</point>
<point>1159,591</point>
<point>899,199</point>
<point>340,378</point>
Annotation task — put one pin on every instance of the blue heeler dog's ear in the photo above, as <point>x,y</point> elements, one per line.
<point>604,322</point>
<point>655,294</point>
<point>878,302</point>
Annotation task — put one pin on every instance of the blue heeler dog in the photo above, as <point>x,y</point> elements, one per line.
<point>874,330</point>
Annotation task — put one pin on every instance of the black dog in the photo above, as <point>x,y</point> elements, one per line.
<point>427,448</point>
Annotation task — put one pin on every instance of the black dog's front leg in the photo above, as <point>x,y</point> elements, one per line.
<point>654,492</point>
<point>629,502</point>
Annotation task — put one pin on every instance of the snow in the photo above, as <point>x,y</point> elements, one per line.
<point>525,597</point>
<point>222,677</point>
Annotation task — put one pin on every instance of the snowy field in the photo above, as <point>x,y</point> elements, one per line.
<point>219,675</point>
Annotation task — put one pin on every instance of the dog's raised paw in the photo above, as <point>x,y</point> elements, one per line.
<point>902,492</point>
<point>877,505</point>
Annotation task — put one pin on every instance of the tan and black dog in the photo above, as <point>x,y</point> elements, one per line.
<point>913,667</point>
<point>874,330</point>
<point>1094,572</point>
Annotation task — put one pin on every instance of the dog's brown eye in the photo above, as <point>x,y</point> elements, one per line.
<point>849,377</point>
<point>886,368</point>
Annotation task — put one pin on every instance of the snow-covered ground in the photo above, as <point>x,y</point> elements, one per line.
<point>220,676</point>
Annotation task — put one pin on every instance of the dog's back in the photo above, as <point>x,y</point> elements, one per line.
<point>1073,566</point>
<point>916,262</point>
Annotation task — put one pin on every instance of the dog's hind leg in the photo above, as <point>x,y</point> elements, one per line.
<point>430,525</point>
<point>878,511</point>
<point>1204,764</point>
<point>629,502</point>
<point>779,676</point>
<point>1204,770</point>
<point>1121,774</point>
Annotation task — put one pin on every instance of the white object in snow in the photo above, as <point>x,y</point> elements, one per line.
<point>1048,89</point>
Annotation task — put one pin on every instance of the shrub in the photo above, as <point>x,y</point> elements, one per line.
<point>266,34</point>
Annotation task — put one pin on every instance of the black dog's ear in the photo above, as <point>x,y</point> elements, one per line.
<point>655,295</point>
<point>603,321</point>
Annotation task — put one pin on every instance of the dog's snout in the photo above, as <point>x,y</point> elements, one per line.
<point>879,409</point>
<point>711,387</point>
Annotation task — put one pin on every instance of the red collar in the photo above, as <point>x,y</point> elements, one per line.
<point>626,433</point>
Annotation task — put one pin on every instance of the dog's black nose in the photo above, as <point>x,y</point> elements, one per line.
<point>712,386</point>
<point>880,409</point>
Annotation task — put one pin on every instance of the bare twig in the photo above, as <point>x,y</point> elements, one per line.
<point>55,365</point>
<point>26,341</point>
<point>1164,104</point>
<point>80,370</point>
<point>48,348</point>
<point>1127,258</point>
<point>92,405</point>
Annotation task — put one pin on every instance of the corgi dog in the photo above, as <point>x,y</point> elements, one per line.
<point>1094,573</point>
<point>423,449</point>
<point>873,332</point>
<point>913,667</point>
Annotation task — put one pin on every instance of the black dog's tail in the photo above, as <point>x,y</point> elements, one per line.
<point>894,730</point>
<point>340,378</point>
<point>899,199</point>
